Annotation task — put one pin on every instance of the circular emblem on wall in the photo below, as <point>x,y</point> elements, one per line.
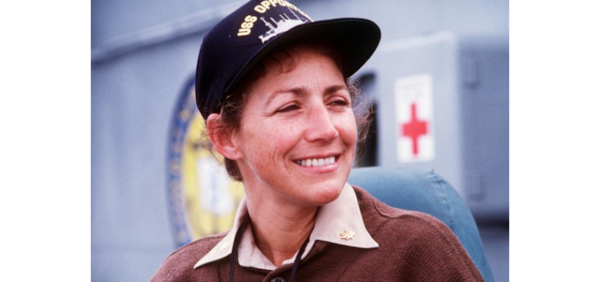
<point>203,199</point>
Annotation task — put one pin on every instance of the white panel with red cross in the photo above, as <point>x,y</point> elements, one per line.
<point>414,117</point>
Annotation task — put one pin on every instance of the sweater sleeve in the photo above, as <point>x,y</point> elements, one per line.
<point>179,265</point>
<point>435,253</point>
<point>176,267</point>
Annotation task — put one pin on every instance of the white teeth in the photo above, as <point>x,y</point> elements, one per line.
<point>316,162</point>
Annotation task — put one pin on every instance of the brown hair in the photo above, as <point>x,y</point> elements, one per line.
<point>233,105</point>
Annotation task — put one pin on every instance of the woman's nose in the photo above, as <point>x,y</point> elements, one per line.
<point>320,127</point>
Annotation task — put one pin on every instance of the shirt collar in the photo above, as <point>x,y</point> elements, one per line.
<point>339,222</point>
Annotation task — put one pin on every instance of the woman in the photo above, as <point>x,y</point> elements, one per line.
<point>278,108</point>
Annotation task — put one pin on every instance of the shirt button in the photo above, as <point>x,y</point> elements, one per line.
<point>278,279</point>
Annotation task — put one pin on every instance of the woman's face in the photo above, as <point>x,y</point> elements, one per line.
<point>297,136</point>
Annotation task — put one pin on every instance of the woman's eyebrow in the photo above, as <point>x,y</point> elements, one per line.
<point>335,88</point>
<point>297,91</point>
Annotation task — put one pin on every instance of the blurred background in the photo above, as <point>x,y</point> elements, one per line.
<point>438,84</point>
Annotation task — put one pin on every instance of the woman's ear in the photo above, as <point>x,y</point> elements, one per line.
<point>222,138</point>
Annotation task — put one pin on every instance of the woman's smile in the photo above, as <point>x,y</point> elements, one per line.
<point>319,165</point>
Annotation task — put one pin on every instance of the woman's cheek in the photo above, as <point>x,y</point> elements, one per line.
<point>347,127</point>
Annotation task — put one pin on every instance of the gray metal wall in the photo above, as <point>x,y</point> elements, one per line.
<point>143,52</point>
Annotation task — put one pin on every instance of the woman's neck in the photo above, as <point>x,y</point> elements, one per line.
<point>279,233</point>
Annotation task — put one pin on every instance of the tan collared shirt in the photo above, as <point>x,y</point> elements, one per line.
<point>339,222</point>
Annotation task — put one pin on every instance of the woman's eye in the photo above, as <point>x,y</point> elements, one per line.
<point>339,102</point>
<point>288,108</point>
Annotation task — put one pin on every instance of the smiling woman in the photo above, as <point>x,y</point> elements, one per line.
<point>285,60</point>
<point>278,107</point>
<point>290,117</point>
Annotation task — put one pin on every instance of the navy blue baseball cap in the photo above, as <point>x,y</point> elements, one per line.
<point>241,40</point>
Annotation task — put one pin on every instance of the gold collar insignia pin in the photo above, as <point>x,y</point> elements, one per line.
<point>347,235</point>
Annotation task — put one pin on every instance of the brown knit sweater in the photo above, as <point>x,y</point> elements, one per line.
<point>412,247</point>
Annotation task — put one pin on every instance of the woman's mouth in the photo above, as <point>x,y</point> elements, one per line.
<point>316,162</point>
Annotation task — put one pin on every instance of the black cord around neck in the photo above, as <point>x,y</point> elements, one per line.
<point>236,244</point>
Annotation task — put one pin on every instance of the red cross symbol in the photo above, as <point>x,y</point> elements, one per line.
<point>414,128</point>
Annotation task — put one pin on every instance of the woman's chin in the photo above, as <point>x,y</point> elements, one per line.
<point>323,193</point>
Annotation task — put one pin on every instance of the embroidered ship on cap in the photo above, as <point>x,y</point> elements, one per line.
<point>283,25</point>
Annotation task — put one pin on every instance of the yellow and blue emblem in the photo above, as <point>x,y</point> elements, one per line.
<point>202,198</point>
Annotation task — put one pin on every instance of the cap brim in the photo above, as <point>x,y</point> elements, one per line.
<point>354,39</point>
